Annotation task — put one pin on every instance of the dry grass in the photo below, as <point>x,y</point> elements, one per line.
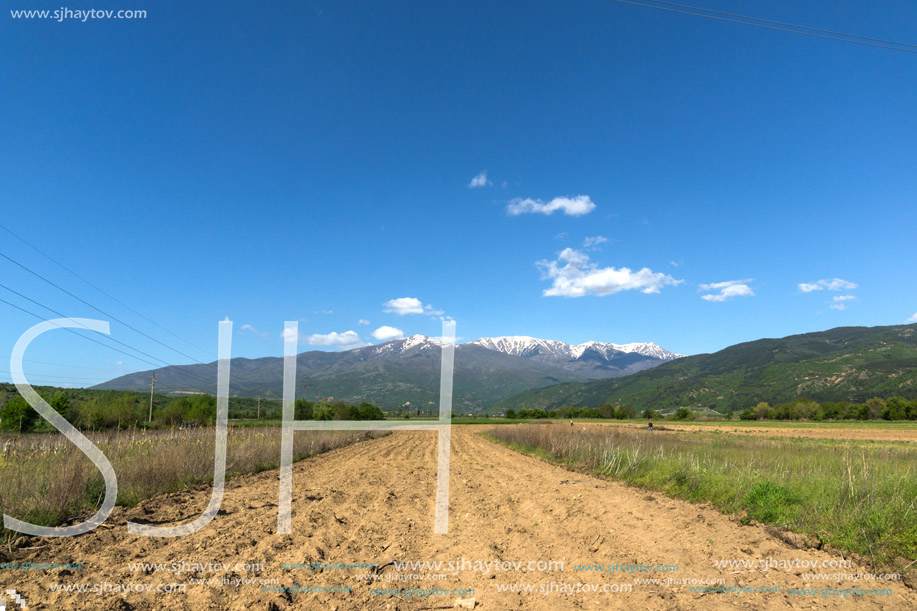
<point>45,479</point>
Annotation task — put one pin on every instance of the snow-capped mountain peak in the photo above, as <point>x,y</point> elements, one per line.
<point>523,345</point>
<point>547,350</point>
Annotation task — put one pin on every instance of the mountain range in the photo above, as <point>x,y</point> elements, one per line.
<point>406,371</point>
<point>843,364</point>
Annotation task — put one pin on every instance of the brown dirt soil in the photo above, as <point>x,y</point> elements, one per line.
<point>373,502</point>
<point>852,433</point>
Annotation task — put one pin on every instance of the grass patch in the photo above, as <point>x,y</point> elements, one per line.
<point>856,497</point>
<point>46,480</point>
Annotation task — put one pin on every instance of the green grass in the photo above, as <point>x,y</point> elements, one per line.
<point>853,496</point>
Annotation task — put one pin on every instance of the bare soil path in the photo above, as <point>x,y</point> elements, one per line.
<point>373,503</point>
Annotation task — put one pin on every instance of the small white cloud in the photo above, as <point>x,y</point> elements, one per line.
<point>594,241</point>
<point>347,338</point>
<point>428,309</point>
<point>226,319</point>
<point>727,289</point>
<point>409,305</point>
<point>840,302</point>
<point>479,181</point>
<point>288,334</point>
<point>383,334</point>
<point>561,236</point>
<point>403,305</point>
<point>248,327</point>
<point>362,321</point>
<point>831,284</point>
<point>571,206</point>
<point>574,275</point>
<point>912,318</point>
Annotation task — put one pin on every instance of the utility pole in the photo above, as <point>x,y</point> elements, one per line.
<point>152,384</point>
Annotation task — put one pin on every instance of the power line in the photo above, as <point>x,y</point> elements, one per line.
<point>104,313</point>
<point>177,369</point>
<point>101,311</point>
<point>53,311</point>
<point>772,27</point>
<point>110,296</point>
<point>13,305</point>
<point>783,23</point>
<point>54,377</point>
<point>67,365</point>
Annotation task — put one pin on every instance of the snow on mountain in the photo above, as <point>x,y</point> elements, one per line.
<point>521,345</point>
<point>531,347</point>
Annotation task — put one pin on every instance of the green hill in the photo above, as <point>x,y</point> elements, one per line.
<point>843,364</point>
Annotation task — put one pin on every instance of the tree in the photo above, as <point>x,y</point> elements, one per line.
<point>895,409</point>
<point>368,411</point>
<point>61,403</point>
<point>202,409</point>
<point>682,413</point>
<point>342,411</point>
<point>302,410</point>
<point>650,413</point>
<point>511,414</point>
<point>875,406</point>
<point>763,411</point>
<point>17,415</point>
<point>324,411</point>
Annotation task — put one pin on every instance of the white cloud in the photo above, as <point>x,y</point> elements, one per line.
<point>574,275</point>
<point>383,334</point>
<point>571,206</point>
<point>362,321</point>
<point>594,241</point>
<point>832,284</point>
<point>840,302</point>
<point>248,327</point>
<point>428,309</point>
<point>288,334</point>
<point>403,305</point>
<point>409,305</point>
<point>727,289</point>
<point>912,318</point>
<point>479,181</point>
<point>347,338</point>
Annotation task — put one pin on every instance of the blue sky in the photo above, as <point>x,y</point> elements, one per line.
<point>315,161</point>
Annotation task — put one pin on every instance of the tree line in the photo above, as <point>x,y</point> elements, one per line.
<point>895,408</point>
<point>89,409</point>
